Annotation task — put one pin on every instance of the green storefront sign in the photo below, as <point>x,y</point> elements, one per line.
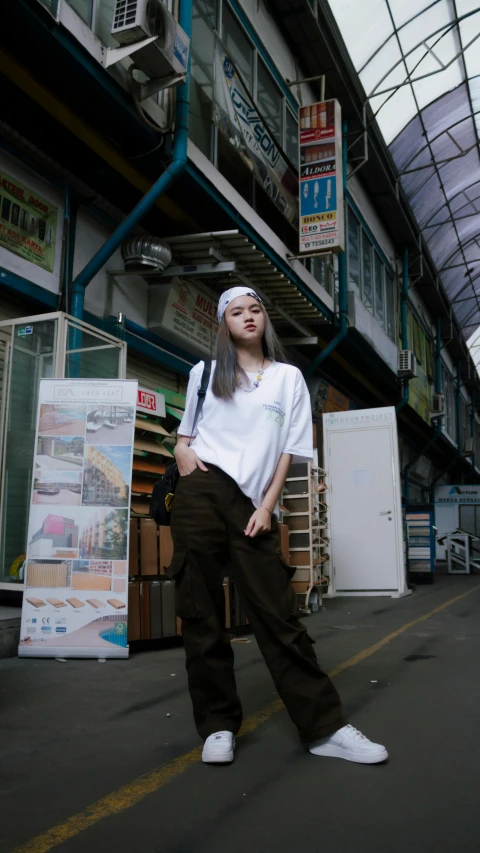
<point>28,223</point>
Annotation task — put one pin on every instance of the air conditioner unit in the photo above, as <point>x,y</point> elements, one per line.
<point>165,49</point>
<point>438,406</point>
<point>468,447</point>
<point>407,364</point>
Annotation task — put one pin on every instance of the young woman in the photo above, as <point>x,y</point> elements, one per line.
<point>255,421</point>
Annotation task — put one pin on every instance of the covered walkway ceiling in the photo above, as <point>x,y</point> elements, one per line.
<point>419,63</point>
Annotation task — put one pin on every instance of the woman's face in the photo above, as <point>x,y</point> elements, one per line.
<point>245,320</point>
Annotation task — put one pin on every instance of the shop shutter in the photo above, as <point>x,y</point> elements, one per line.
<point>152,376</point>
<point>153,453</point>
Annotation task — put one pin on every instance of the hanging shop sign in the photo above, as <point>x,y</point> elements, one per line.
<point>28,223</point>
<point>185,314</point>
<point>75,602</point>
<point>321,179</point>
<point>150,403</point>
<point>238,119</point>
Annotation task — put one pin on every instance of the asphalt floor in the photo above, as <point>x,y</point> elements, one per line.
<point>97,756</point>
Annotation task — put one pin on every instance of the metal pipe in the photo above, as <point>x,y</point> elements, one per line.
<point>404,326</point>
<point>176,167</point>
<point>342,277</point>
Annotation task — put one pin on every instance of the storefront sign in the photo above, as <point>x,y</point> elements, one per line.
<point>150,403</point>
<point>456,495</point>
<point>238,119</point>
<point>191,314</point>
<point>28,223</point>
<point>321,180</point>
<point>75,602</point>
<point>454,511</point>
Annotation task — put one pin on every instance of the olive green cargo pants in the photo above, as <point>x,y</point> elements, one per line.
<point>209,517</point>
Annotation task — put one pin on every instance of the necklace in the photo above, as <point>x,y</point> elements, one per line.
<point>256,381</point>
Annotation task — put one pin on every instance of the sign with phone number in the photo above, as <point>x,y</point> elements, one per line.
<point>321,180</point>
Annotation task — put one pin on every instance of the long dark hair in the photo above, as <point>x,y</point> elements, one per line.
<point>225,378</point>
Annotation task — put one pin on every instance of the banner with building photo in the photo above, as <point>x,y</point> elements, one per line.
<point>75,602</point>
<point>321,178</point>
<point>238,119</point>
<point>28,223</point>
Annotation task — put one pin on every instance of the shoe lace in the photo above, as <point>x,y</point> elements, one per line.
<point>354,733</point>
<point>221,736</point>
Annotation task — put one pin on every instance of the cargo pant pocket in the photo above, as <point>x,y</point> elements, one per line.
<point>290,570</point>
<point>188,586</point>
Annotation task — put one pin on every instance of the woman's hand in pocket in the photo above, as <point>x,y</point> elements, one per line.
<point>260,522</point>
<point>187,461</point>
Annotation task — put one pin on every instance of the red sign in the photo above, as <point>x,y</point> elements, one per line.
<point>150,402</point>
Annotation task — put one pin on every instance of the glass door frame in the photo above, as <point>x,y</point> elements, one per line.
<point>66,324</point>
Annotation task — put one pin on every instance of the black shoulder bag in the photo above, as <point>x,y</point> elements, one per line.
<point>164,490</point>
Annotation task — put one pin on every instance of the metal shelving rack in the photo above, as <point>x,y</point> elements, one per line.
<point>307,518</point>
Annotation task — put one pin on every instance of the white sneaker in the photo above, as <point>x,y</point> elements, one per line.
<point>350,744</point>
<point>219,748</point>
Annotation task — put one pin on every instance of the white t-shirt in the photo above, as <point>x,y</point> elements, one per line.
<point>246,436</point>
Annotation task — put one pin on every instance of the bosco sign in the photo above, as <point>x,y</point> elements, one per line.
<point>321,180</point>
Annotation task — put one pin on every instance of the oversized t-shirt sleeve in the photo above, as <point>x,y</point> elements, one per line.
<point>300,435</point>
<point>186,425</point>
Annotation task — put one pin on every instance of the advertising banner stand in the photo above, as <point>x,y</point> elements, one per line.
<point>76,570</point>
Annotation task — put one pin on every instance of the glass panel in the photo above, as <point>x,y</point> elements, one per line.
<point>390,301</point>
<point>269,102</point>
<point>367,272</point>
<point>89,357</point>
<point>103,22</point>
<point>418,341</point>
<point>202,74</point>
<point>448,390</point>
<point>353,252</point>
<point>234,169</point>
<point>84,8</point>
<point>379,294</point>
<point>238,47</point>
<point>32,359</point>
<point>467,519</point>
<point>291,139</point>
<point>321,270</point>
<point>51,5</point>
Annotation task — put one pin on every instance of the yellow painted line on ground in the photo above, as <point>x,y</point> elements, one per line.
<point>131,793</point>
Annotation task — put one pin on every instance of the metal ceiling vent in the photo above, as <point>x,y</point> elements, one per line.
<point>141,253</point>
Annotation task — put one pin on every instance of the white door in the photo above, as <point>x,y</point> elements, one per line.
<point>365,508</point>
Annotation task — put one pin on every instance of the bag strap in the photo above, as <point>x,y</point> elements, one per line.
<point>202,393</point>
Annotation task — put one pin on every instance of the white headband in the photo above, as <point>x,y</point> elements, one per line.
<point>228,295</point>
